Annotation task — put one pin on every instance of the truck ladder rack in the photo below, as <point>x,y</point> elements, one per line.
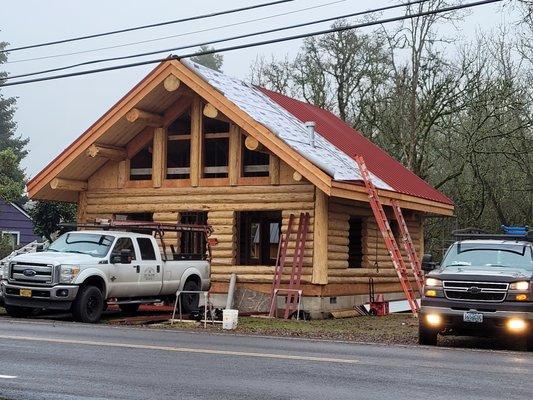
<point>388,236</point>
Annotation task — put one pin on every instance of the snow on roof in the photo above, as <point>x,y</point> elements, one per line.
<point>286,126</point>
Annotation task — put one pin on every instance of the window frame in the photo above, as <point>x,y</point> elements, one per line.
<point>15,233</point>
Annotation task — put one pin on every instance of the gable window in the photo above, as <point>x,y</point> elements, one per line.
<point>179,148</point>
<point>355,243</point>
<point>254,163</point>
<point>141,164</point>
<point>215,148</point>
<point>259,233</point>
<point>13,238</point>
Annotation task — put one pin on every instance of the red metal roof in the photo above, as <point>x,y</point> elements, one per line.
<point>352,143</point>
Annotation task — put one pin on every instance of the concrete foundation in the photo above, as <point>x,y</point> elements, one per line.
<point>246,300</point>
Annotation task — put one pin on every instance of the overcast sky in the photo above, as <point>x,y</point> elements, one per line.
<point>52,114</point>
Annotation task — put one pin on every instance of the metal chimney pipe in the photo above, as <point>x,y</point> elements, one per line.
<point>310,125</point>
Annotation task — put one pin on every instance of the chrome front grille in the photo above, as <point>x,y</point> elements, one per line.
<point>33,274</point>
<point>491,292</point>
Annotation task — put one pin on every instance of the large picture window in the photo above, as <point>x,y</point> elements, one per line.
<point>215,148</point>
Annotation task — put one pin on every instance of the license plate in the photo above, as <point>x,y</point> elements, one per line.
<point>470,316</point>
<point>25,292</point>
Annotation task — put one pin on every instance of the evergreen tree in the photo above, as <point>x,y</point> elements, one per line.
<point>213,61</point>
<point>12,147</point>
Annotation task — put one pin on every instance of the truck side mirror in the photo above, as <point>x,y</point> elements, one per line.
<point>124,257</point>
<point>427,263</point>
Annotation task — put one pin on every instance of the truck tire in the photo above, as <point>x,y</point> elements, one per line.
<point>89,305</point>
<point>129,309</point>
<point>190,301</point>
<point>426,336</point>
<point>20,312</point>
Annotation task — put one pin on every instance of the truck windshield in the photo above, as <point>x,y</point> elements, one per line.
<point>92,244</point>
<point>484,256</point>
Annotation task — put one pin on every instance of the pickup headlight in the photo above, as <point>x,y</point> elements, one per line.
<point>68,273</point>
<point>522,285</point>
<point>433,283</point>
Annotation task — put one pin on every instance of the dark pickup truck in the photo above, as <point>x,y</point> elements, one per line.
<point>483,287</point>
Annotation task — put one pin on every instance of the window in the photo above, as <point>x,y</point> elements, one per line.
<point>254,163</point>
<point>215,148</point>
<point>355,244</point>
<point>13,236</point>
<point>192,244</point>
<point>259,234</point>
<point>124,244</point>
<point>179,148</point>
<point>146,248</point>
<point>141,164</point>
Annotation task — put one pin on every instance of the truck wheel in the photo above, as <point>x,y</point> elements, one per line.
<point>21,312</point>
<point>89,305</point>
<point>129,309</point>
<point>426,336</point>
<point>190,301</point>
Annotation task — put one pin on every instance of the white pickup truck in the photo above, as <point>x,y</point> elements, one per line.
<point>83,271</point>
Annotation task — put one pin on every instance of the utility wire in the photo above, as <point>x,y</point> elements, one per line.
<point>136,28</point>
<point>260,43</point>
<point>215,41</point>
<point>175,36</point>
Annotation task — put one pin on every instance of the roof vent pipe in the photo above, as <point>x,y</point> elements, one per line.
<point>310,125</point>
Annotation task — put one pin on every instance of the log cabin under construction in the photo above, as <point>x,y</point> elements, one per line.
<point>190,144</point>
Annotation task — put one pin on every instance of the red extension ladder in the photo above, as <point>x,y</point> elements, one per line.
<point>388,236</point>
<point>292,299</point>
<point>414,260</point>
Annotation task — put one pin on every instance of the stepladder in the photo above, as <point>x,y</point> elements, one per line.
<point>388,236</point>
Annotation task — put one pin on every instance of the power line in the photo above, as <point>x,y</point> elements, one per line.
<point>256,44</point>
<point>216,41</point>
<point>136,28</point>
<point>174,36</point>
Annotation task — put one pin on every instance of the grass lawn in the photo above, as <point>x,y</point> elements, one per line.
<point>394,328</point>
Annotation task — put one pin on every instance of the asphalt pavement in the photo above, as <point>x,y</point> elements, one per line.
<point>61,360</point>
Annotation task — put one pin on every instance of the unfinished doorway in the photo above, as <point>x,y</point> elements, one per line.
<point>258,237</point>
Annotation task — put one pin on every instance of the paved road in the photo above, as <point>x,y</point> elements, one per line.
<point>45,360</point>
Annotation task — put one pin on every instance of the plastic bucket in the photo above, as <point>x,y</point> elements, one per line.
<point>230,319</point>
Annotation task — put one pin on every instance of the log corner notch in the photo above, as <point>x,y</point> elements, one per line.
<point>109,152</point>
<point>149,118</point>
<point>68,184</point>
<point>171,83</point>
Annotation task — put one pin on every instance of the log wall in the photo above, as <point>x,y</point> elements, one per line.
<point>105,197</point>
<point>376,262</point>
